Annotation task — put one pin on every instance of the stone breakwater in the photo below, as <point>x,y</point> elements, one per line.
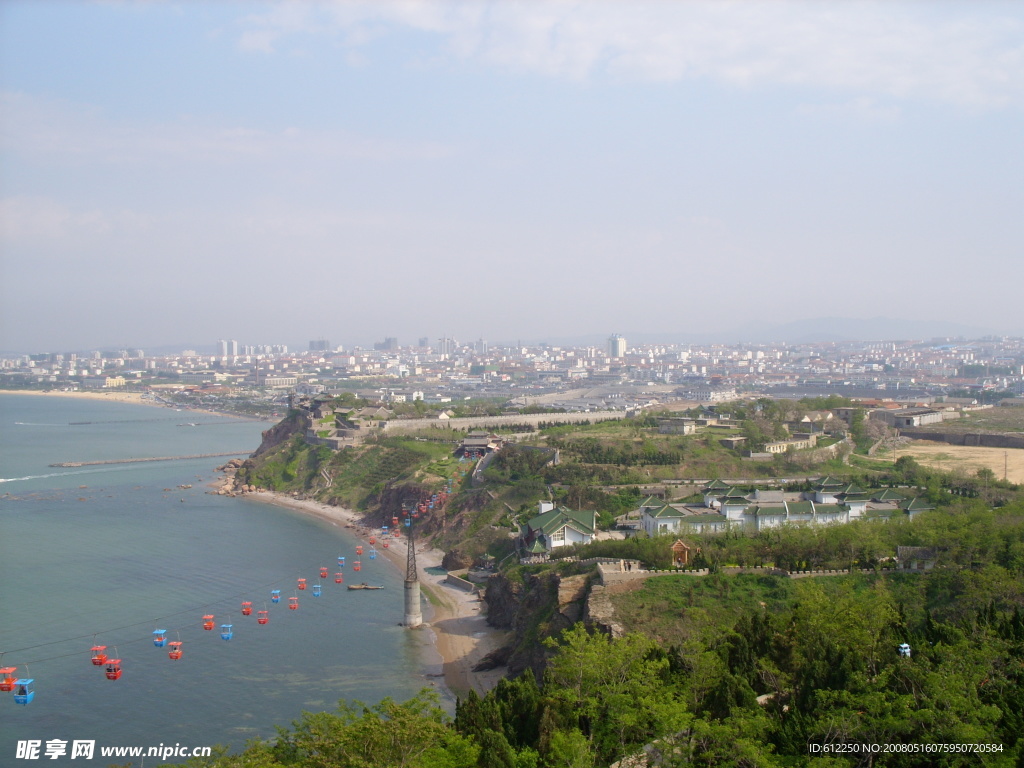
<point>149,458</point>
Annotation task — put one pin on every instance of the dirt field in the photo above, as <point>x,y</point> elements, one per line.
<point>967,458</point>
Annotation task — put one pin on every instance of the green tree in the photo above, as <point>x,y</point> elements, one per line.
<point>412,734</point>
<point>614,687</point>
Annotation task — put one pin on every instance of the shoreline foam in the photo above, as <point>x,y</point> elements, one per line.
<point>460,635</point>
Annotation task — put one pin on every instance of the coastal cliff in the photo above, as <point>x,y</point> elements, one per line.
<point>535,606</point>
<point>296,422</point>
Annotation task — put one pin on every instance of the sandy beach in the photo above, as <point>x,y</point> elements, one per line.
<point>459,636</point>
<point>107,395</point>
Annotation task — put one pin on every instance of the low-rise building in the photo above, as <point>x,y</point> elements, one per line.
<point>558,527</point>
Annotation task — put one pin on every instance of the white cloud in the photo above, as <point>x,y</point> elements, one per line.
<point>65,131</point>
<point>963,53</point>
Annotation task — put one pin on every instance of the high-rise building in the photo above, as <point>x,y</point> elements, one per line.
<point>616,346</point>
<point>227,348</point>
<point>319,345</point>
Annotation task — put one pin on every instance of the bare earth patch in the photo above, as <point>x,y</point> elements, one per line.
<point>968,459</point>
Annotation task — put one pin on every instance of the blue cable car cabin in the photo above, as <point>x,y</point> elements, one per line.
<point>159,637</point>
<point>341,562</point>
<point>373,553</point>
<point>316,590</point>
<point>275,596</point>
<point>23,690</point>
<point>225,632</point>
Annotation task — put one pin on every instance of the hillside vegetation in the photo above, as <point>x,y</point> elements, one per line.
<point>723,669</point>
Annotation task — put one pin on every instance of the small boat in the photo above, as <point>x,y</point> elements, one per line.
<point>364,585</point>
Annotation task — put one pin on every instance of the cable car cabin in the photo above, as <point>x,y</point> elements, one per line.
<point>98,655</point>
<point>338,578</point>
<point>7,680</point>
<point>23,690</point>
<point>262,617</point>
<point>341,562</point>
<point>373,539</point>
<point>225,632</point>
<point>359,549</point>
<point>302,584</point>
<point>316,590</point>
<point>383,530</point>
<point>159,637</point>
<point>385,543</point>
<point>275,596</point>
<point>293,603</point>
<point>373,553</point>
<point>247,609</point>
<point>356,565</point>
<point>208,621</point>
<point>175,652</point>
<point>394,521</point>
<point>113,669</point>
<point>408,522</point>
<point>323,572</point>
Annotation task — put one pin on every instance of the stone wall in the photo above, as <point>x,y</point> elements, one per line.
<point>479,422</point>
<point>980,439</point>
<point>459,582</point>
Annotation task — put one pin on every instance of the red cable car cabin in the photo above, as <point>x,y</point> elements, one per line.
<point>262,617</point>
<point>113,669</point>
<point>7,679</point>
<point>323,572</point>
<point>208,621</point>
<point>302,584</point>
<point>247,608</point>
<point>293,603</point>
<point>357,565</point>
<point>175,652</point>
<point>98,655</point>
<point>338,578</point>
<point>359,549</point>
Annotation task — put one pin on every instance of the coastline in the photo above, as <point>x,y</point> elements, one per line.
<point>108,396</point>
<point>459,633</point>
<point>115,396</point>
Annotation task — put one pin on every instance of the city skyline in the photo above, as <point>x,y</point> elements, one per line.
<point>174,174</point>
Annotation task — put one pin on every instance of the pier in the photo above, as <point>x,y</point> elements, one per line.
<point>149,458</point>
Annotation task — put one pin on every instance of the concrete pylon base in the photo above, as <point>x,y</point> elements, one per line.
<point>413,613</point>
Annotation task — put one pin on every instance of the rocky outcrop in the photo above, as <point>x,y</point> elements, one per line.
<point>296,422</point>
<point>456,560</point>
<point>540,606</point>
<point>600,612</point>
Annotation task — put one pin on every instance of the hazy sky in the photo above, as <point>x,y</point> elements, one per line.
<point>273,173</point>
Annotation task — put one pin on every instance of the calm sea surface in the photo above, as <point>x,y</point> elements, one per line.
<point>106,554</point>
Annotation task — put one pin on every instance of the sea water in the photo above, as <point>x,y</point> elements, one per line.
<point>106,554</point>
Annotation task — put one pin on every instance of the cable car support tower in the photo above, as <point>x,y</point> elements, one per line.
<point>413,612</point>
